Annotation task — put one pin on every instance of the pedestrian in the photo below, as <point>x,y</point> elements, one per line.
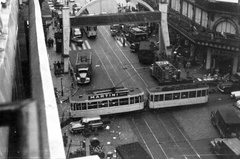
<point>124,41</point>
<point>84,143</point>
<point>184,63</point>
<point>51,42</point>
<point>48,43</point>
<point>58,64</point>
<point>55,68</point>
<point>65,139</point>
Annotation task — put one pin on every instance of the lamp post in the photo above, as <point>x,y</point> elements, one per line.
<point>62,86</point>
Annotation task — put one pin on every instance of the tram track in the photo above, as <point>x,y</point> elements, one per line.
<point>162,136</point>
<point>148,138</point>
<point>178,137</point>
<point>133,74</point>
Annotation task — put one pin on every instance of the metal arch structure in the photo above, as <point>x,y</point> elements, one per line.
<point>97,1</point>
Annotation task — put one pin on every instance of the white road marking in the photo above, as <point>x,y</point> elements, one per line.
<point>119,43</point>
<point>87,44</point>
<point>73,46</point>
<point>79,48</point>
<point>83,46</point>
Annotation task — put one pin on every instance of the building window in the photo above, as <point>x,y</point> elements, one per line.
<point>190,11</point>
<point>226,27</point>
<point>175,5</point>
<point>184,8</point>
<point>198,15</point>
<point>204,19</point>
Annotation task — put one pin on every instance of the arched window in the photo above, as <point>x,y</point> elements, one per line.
<point>226,27</point>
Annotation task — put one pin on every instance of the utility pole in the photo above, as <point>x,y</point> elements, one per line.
<point>62,86</point>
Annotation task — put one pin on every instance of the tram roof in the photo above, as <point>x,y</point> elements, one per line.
<point>176,87</point>
<point>104,93</point>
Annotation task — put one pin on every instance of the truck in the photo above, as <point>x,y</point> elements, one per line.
<point>86,123</point>
<point>226,148</point>
<point>135,34</point>
<point>132,151</point>
<point>227,122</point>
<point>83,67</point>
<point>167,74</point>
<point>146,52</point>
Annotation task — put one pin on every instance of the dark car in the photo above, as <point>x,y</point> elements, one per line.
<point>114,29</point>
<point>134,47</point>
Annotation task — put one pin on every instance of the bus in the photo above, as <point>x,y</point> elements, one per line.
<point>106,101</point>
<point>178,95</point>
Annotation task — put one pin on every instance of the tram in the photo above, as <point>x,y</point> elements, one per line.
<point>107,101</point>
<point>178,95</point>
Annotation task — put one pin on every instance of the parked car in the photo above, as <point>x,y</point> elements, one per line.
<point>91,123</point>
<point>235,95</point>
<point>237,104</point>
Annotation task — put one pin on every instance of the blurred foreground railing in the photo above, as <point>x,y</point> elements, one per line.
<point>49,132</point>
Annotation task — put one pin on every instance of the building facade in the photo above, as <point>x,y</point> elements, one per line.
<point>206,32</point>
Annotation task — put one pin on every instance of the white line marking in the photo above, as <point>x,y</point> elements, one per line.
<point>89,47</point>
<point>119,43</point>
<point>73,46</point>
<point>79,48</point>
<point>83,46</point>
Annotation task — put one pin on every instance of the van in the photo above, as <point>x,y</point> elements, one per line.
<point>91,123</point>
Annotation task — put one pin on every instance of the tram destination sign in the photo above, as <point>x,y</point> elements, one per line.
<point>107,95</point>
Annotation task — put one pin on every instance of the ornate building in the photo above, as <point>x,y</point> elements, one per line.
<point>207,32</point>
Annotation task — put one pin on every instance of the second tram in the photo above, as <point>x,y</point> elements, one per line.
<point>177,95</point>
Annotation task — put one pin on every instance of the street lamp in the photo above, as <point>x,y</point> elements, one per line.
<point>62,86</point>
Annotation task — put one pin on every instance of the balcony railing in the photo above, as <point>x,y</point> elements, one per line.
<point>197,33</point>
<point>31,128</point>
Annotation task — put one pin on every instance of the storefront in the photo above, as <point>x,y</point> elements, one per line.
<point>223,60</point>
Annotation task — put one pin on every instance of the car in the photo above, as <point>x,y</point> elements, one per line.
<point>237,104</point>
<point>76,33</point>
<point>114,29</point>
<point>134,47</point>
<point>91,123</point>
<point>235,95</point>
